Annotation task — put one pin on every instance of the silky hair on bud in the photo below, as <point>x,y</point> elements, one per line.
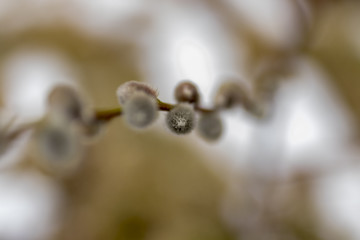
<point>65,102</point>
<point>181,119</point>
<point>140,110</point>
<point>186,91</point>
<point>210,126</point>
<point>128,89</point>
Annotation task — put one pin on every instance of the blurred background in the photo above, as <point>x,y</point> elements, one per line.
<point>292,175</point>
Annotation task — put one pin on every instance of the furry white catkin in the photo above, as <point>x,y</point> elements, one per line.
<point>65,102</point>
<point>57,143</point>
<point>60,137</point>
<point>181,119</point>
<point>128,89</point>
<point>140,110</point>
<point>210,126</point>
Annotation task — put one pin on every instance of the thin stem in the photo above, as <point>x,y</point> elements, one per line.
<point>9,136</point>
<point>167,107</point>
<point>19,131</point>
<point>163,106</point>
<point>109,114</point>
<point>204,110</point>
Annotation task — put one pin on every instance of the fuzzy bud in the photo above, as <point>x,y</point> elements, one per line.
<point>187,92</point>
<point>58,145</point>
<point>65,101</point>
<point>231,94</point>
<point>140,110</point>
<point>128,89</point>
<point>181,119</point>
<point>210,126</point>
<point>92,128</point>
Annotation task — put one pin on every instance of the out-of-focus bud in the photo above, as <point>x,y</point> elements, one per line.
<point>266,88</point>
<point>187,92</point>
<point>65,102</point>
<point>140,110</point>
<point>256,109</point>
<point>231,94</point>
<point>3,142</point>
<point>181,119</point>
<point>210,126</point>
<point>91,129</point>
<point>8,135</point>
<point>128,89</point>
<point>58,146</point>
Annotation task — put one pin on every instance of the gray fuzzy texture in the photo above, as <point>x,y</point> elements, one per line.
<point>210,126</point>
<point>66,103</point>
<point>181,119</point>
<point>140,110</point>
<point>57,142</point>
<point>126,90</point>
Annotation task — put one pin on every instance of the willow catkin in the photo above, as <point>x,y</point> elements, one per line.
<point>128,89</point>
<point>187,92</point>
<point>231,94</point>
<point>140,110</point>
<point>65,102</point>
<point>58,145</point>
<point>181,119</point>
<point>210,126</point>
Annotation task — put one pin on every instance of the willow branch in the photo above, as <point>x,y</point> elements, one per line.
<point>109,114</point>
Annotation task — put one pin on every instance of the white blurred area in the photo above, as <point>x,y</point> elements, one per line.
<point>30,203</point>
<point>29,206</point>
<point>31,73</point>
<point>186,42</point>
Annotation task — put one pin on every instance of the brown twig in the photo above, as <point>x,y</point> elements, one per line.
<point>109,114</point>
